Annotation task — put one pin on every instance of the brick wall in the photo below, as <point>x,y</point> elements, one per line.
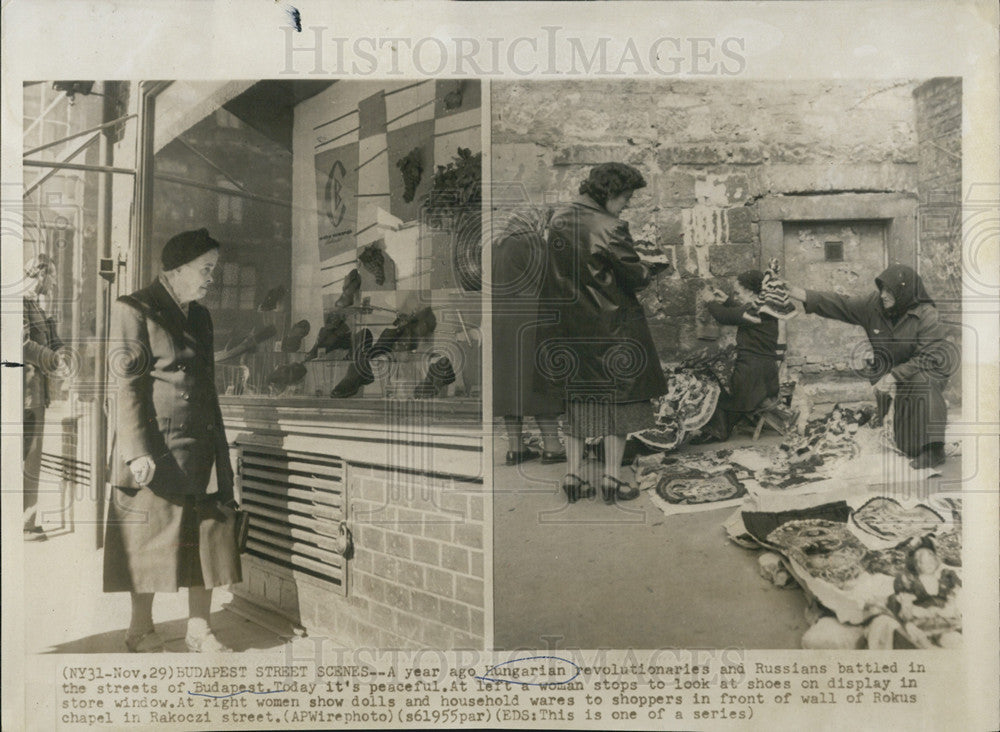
<point>417,575</point>
<point>418,570</point>
<point>939,184</point>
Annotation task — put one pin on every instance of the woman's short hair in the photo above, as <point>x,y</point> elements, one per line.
<point>752,279</point>
<point>608,180</point>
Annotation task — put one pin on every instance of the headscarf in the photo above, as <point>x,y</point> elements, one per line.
<point>906,287</point>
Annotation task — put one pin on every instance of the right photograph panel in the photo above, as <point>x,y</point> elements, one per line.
<point>726,337</point>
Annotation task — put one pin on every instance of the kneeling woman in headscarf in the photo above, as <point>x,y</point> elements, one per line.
<point>913,358</point>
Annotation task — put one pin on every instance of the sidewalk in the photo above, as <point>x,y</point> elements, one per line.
<point>588,575</point>
<point>68,613</point>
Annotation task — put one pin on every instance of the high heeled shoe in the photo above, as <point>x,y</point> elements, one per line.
<point>576,487</point>
<point>148,642</point>
<point>613,490</point>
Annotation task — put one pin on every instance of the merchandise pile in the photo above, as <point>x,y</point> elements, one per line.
<point>879,572</point>
<point>693,390</point>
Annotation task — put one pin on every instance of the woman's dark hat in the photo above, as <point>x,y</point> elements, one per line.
<point>186,247</point>
<point>752,279</point>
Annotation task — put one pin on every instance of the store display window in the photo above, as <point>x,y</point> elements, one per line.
<point>349,214</point>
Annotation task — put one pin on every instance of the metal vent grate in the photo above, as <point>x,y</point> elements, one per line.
<point>296,502</point>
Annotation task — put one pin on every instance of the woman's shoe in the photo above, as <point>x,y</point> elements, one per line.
<point>520,456</point>
<point>613,490</point>
<point>553,456</point>
<point>207,643</point>
<point>150,642</point>
<point>34,533</point>
<point>930,457</point>
<point>576,487</point>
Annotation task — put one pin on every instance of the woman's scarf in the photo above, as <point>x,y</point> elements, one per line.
<point>906,287</point>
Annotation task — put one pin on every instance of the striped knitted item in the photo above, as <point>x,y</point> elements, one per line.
<point>773,298</point>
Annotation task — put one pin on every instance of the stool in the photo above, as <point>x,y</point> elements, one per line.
<point>767,418</point>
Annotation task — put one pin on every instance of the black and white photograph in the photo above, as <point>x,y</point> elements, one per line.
<point>275,288</point>
<point>500,365</point>
<point>727,347</point>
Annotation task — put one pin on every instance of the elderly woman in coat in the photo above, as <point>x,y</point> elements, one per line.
<point>599,350</point>
<point>171,522</point>
<point>913,358</point>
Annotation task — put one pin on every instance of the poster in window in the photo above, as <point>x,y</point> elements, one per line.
<point>337,199</point>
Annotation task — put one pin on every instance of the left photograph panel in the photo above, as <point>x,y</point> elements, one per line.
<point>252,364</point>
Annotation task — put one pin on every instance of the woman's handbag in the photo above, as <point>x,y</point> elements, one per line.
<point>241,522</point>
<point>242,529</point>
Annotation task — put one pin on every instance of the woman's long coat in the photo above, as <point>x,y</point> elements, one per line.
<point>912,346</point>
<point>597,342</point>
<point>519,260</point>
<point>175,532</point>
<point>167,405</point>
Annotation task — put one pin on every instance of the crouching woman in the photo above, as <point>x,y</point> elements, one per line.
<point>913,358</point>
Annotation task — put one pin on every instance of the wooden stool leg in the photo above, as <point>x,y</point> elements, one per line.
<point>776,424</point>
<point>760,426</point>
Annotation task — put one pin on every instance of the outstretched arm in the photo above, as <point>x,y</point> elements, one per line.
<point>726,313</point>
<point>853,310</point>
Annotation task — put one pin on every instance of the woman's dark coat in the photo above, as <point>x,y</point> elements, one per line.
<point>173,533</point>
<point>167,406</point>
<point>598,342</point>
<point>518,273</point>
<point>755,373</point>
<point>910,342</point>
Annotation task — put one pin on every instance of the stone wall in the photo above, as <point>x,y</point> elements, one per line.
<point>713,153</point>
<point>939,185</point>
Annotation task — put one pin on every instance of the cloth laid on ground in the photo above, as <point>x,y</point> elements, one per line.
<point>826,550</point>
<point>887,519</point>
<point>838,448</point>
<point>848,569</point>
<point>688,484</point>
<point>759,524</point>
<point>695,486</point>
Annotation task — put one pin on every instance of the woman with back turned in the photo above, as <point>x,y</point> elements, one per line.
<point>599,349</point>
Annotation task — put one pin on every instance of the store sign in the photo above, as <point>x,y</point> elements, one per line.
<point>337,199</point>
